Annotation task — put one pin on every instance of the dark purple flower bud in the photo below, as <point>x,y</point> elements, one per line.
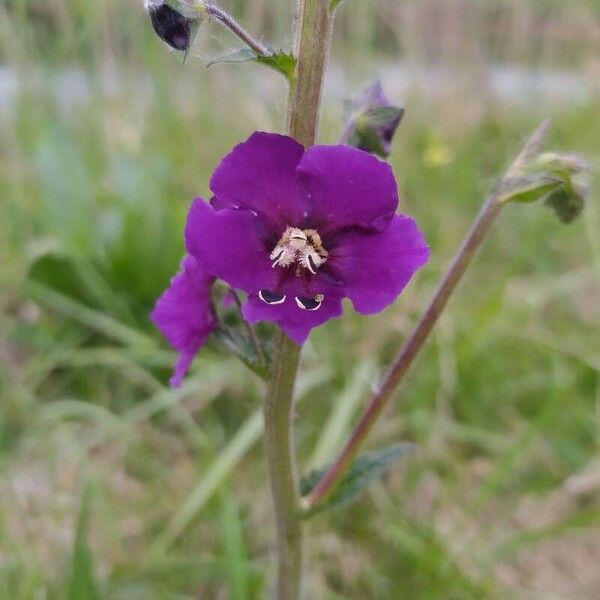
<point>370,121</point>
<point>174,28</point>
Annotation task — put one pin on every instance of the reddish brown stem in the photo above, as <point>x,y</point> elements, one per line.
<point>415,342</point>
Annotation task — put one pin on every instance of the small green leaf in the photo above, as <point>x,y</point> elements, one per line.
<point>381,116</point>
<point>363,470</point>
<point>240,55</point>
<point>82,581</point>
<point>333,4</point>
<point>527,188</point>
<point>280,61</point>
<point>238,344</point>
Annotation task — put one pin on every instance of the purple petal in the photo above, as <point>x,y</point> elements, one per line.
<point>348,187</point>
<point>184,314</point>
<point>260,175</point>
<point>294,321</point>
<point>220,204</point>
<point>227,244</point>
<point>376,267</point>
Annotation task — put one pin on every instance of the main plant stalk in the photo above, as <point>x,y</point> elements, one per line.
<point>313,33</point>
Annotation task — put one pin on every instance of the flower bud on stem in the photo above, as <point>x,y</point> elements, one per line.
<point>404,359</point>
<point>184,12</point>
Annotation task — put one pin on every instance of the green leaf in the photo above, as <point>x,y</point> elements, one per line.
<point>238,344</point>
<point>527,188</point>
<point>240,55</point>
<point>82,581</point>
<point>363,470</point>
<point>333,4</point>
<point>280,61</point>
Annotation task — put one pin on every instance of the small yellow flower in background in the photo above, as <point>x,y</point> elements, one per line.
<point>437,153</point>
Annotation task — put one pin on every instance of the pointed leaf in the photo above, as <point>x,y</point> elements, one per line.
<point>279,61</point>
<point>527,188</point>
<point>240,55</point>
<point>363,470</point>
<point>238,344</point>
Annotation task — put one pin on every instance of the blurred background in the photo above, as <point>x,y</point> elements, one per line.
<point>114,486</point>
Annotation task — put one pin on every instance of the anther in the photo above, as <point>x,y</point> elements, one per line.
<point>271,297</point>
<point>300,247</point>
<point>306,303</point>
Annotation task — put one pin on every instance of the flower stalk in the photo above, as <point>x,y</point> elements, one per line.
<point>313,33</point>
<point>225,19</point>
<point>411,348</point>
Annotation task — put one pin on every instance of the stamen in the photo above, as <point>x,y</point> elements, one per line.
<point>298,234</point>
<point>271,298</point>
<point>302,248</point>
<point>309,303</point>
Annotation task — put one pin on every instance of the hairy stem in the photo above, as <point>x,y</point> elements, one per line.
<point>313,31</point>
<point>404,359</point>
<point>279,448</point>
<point>313,35</point>
<point>218,14</point>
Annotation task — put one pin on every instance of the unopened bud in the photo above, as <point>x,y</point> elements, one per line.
<point>370,121</point>
<point>175,27</point>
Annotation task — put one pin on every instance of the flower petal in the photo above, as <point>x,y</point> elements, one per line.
<point>184,314</point>
<point>260,175</point>
<point>376,267</point>
<point>293,320</point>
<point>347,187</point>
<point>227,245</point>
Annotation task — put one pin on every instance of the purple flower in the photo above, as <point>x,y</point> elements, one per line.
<point>298,231</point>
<point>185,315</point>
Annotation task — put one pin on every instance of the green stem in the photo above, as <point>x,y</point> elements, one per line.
<point>279,449</point>
<point>409,351</point>
<point>313,33</point>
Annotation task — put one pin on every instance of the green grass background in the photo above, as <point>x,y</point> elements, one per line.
<point>112,486</point>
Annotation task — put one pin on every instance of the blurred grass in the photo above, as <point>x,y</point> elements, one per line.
<point>104,141</point>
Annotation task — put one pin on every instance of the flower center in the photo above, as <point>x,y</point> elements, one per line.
<point>300,247</point>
